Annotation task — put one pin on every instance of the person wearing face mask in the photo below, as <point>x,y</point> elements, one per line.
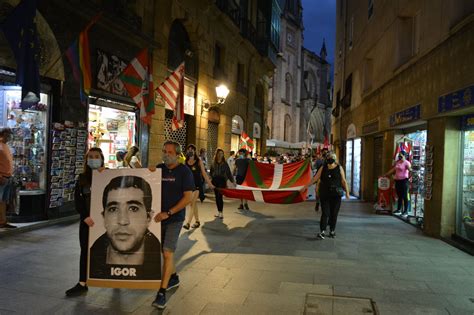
<point>82,199</point>
<point>331,187</point>
<point>177,191</point>
<point>6,172</point>
<point>199,172</point>
<point>402,171</point>
<point>220,173</point>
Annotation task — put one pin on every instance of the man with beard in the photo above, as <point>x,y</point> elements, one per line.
<point>127,250</point>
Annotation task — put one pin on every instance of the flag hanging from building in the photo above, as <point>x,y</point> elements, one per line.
<point>78,55</point>
<point>137,79</point>
<point>245,142</point>
<point>20,31</point>
<point>273,183</point>
<point>172,92</point>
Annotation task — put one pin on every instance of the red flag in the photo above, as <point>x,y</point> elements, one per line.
<point>137,79</point>
<point>172,92</point>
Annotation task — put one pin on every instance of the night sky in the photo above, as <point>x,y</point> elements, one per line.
<point>319,19</point>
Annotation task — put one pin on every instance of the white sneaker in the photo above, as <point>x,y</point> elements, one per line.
<point>320,235</point>
<point>397,213</point>
<point>405,215</point>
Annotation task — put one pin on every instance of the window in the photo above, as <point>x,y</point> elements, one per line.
<point>370,8</point>
<point>287,128</point>
<point>368,73</point>
<point>351,32</point>
<point>241,78</point>
<point>346,101</point>
<point>408,38</point>
<point>180,50</point>
<point>275,26</point>
<point>288,83</point>
<point>218,62</point>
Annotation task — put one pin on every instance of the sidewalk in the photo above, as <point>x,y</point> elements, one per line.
<point>262,262</point>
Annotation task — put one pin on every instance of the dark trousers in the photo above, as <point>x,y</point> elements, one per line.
<point>202,196</point>
<point>329,211</point>
<point>401,186</point>
<point>219,182</point>
<point>83,240</point>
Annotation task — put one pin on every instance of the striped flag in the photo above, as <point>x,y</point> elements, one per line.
<point>245,142</point>
<point>137,79</point>
<point>172,92</point>
<point>79,57</point>
<point>273,183</point>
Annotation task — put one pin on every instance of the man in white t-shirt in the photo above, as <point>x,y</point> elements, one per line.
<point>231,161</point>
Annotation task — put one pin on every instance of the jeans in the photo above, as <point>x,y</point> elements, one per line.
<point>329,211</point>
<point>401,186</point>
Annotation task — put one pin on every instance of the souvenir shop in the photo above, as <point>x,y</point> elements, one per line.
<point>353,154</point>
<point>413,143</point>
<point>28,145</point>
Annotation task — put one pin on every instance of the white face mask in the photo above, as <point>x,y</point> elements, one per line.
<point>94,163</point>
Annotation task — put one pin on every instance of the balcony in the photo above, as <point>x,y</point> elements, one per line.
<point>231,9</point>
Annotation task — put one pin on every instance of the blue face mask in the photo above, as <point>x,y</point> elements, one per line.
<point>94,163</point>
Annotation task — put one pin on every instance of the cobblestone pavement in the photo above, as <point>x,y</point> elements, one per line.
<point>263,261</point>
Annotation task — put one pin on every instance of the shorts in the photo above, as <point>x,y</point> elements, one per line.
<point>170,235</point>
<point>5,192</point>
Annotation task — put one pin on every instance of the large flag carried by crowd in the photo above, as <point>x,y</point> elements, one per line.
<point>273,183</point>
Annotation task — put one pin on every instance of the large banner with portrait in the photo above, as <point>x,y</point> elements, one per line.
<point>125,241</point>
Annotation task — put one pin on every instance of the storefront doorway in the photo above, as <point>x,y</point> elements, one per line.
<point>112,130</point>
<point>353,165</point>
<point>465,209</point>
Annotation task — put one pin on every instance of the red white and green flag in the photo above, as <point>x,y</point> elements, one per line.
<point>172,92</point>
<point>137,79</point>
<point>245,142</point>
<point>273,183</point>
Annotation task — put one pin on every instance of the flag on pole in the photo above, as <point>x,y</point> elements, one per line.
<point>137,79</point>
<point>273,183</point>
<point>79,57</point>
<point>172,92</point>
<point>20,31</point>
<point>246,142</point>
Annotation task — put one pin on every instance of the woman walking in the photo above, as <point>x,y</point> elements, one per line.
<point>220,173</point>
<point>332,185</point>
<point>82,198</point>
<point>402,171</point>
<point>196,166</point>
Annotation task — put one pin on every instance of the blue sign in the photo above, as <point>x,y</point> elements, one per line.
<point>456,100</point>
<point>467,122</point>
<point>405,116</point>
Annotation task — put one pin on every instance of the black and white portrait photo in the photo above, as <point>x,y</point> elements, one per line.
<point>109,67</point>
<point>124,242</point>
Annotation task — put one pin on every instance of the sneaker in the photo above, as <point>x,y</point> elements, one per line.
<point>397,213</point>
<point>160,301</point>
<point>405,215</point>
<point>221,215</point>
<point>321,235</point>
<point>246,206</point>
<point>196,225</point>
<point>241,207</point>
<point>332,234</point>
<point>77,290</point>
<point>173,283</point>
<point>186,226</point>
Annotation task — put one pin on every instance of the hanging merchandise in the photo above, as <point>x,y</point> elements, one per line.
<point>384,195</point>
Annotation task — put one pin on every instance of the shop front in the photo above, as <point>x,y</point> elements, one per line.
<point>237,128</point>
<point>353,156</point>
<point>28,145</point>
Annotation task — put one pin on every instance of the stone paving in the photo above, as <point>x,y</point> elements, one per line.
<point>264,261</point>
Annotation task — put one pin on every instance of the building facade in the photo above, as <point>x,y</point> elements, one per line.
<point>221,42</point>
<point>403,81</point>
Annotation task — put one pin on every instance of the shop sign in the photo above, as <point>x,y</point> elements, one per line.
<point>456,100</point>
<point>109,68</point>
<point>467,122</point>
<point>410,114</point>
<point>256,131</point>
<point>237,124</point>
<point>370,127</point>
<point>351,131</point>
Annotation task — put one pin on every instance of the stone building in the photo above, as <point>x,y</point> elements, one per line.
<point>221,42</point>
<point>404,79</point>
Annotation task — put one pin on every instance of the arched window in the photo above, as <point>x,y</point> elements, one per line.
<point>179,50</point>
<point>311,84</point>
<point>288,84</point>
<point>287,128</point>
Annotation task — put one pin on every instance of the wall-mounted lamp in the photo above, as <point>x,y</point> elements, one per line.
<point>221,91</point>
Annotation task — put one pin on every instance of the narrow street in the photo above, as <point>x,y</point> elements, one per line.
<point>261,262</point>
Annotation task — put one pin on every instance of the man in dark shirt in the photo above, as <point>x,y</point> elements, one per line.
<point>176,191</point>
<point>127,250</point>
<point>241,165</point>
